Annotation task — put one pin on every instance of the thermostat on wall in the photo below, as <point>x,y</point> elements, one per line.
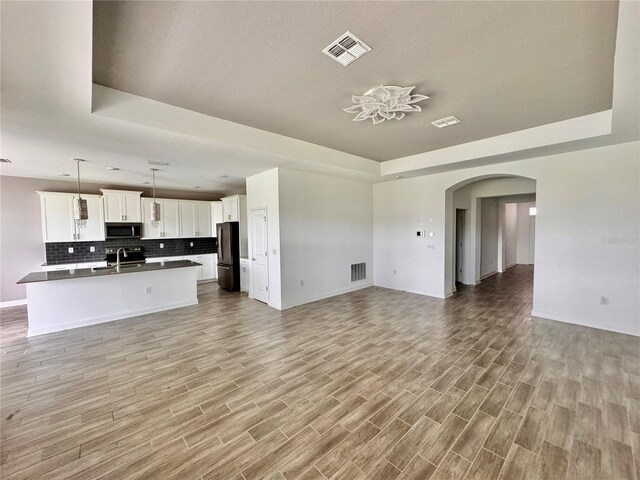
<point>420,233</point>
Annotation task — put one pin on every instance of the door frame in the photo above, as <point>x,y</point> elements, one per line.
<point>251,255</point>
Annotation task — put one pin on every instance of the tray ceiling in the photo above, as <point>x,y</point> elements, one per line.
<point>499,67</point>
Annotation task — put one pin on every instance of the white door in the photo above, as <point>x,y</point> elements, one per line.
<point>259,258</point>
<point>203,219</point>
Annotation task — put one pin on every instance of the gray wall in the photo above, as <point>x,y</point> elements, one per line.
<point>21,246</point>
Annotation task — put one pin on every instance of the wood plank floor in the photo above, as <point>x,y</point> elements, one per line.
<point>375,384</point>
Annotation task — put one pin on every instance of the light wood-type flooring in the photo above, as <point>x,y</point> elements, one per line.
<point>375,384</point>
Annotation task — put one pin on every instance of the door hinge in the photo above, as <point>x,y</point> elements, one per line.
<point>266,288</point>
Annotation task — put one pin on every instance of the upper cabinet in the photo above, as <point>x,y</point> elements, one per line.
<point>234,209</point>
<point>121,206</point>
<point>216,216</point>
<point>169,224</point>
<point>57,218</point>
<point>195,219</point>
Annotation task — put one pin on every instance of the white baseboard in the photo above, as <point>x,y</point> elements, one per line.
<point>328,295</point>
<point>563,319</point>
<point>13,303</point>
<point>417,292</point>
<point>108,318</point>
<point>510,265</point>
<point>487,275</point>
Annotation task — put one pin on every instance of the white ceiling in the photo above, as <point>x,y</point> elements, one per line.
<point>51,113</point>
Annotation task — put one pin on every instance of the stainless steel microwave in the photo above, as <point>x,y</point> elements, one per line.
<point>122,230</point>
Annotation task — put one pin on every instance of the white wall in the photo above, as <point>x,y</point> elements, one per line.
<point>525,234</point>
<point>326,224</point>
<point>489,237</point>
<point>510,233</point>
<point>587,228</point>
<point>263,191</point>
<point>317,226</point>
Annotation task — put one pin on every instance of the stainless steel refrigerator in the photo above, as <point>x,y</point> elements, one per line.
<point>229,255</point>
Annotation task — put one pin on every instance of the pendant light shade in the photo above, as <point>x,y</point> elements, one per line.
<point>154,207</point>
<point>80,209</point>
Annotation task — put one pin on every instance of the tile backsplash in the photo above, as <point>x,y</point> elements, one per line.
<point>58,253</point>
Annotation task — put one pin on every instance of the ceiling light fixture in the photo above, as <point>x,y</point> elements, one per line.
<point>155,162</point>
<point>80,209</point>
<point>346,49</point>
<point>154,207</point>
<point>224,176</point>
<point>113,169</point>
<point>384,103</point>
<point>445,122</point>
<point>63,175</point>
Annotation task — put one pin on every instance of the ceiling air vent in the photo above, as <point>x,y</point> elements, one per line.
<point>346,49</point>
<point>445,122</point>
<point>5,160</point>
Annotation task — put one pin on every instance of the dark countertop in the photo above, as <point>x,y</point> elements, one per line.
<point>91,273</point>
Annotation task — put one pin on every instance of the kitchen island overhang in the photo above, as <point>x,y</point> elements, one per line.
<point>60,300</point>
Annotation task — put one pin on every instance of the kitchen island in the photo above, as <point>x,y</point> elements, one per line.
<point>63,299</point>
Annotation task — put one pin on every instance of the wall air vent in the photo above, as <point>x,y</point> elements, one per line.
<point>346,49</point>
<point>445,122</point>
<point>358,272</point>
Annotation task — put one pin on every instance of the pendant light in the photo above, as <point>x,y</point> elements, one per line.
<point>154,208</point>
<point>80,210</point>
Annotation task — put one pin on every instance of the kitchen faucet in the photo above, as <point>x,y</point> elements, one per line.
<point>118,258</point>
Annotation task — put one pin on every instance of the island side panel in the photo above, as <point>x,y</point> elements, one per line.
<point>62,304</point>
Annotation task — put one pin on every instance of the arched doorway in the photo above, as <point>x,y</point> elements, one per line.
<point>464,206</point>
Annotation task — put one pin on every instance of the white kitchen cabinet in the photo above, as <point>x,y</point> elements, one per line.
<point>169,224</point>
<point>121,206</point>
<point>62,266</point>
<point>94,227</point>
<point>233,206</point>
<point>163,259</point>
<point>245,275</point>
<point>207,270</point>
<point>72,266</point>
<point>56,211</point>
<point>234,209</point>
<point>216,216</point>
<point>195,219</point>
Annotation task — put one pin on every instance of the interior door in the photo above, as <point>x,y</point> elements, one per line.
<point>459,245</point>
<point>259,252</point>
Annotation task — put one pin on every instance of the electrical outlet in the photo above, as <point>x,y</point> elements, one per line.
<point>431,246</point>
<point>191,244</point>
<point>92,249</point>
<point>147,290</point>
<point>162,245</point>
<point>302,283</point>
<point>604,300</point>
<point>70,249</point>
<point>275,252</point>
